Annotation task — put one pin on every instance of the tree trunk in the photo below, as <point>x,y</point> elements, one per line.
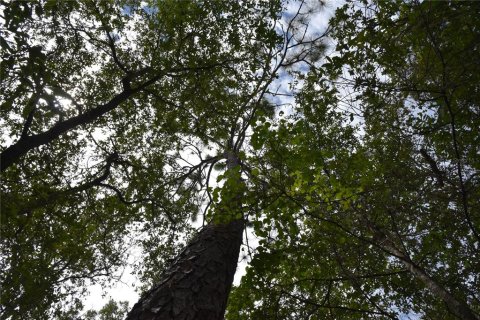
<point>457,307</point>
<point>197,284</point>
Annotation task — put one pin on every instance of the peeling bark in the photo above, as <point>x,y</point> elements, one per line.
<point>197,284</point>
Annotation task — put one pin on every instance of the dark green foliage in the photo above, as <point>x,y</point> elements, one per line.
<point>364,195</point>
<point>375,176</point>
<point>104,99</point>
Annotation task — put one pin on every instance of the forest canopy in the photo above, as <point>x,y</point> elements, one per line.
<point>350,153</point>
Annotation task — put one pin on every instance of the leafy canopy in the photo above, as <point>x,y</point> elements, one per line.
<point>373,181</point>
<point>363,194</point>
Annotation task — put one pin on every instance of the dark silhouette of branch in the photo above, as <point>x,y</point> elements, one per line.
<point>445,81</point>
<point>328,305</point>
<point>433,166</point>
<point>11,154</point>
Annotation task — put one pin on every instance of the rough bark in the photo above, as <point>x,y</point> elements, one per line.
<point>197,284</point>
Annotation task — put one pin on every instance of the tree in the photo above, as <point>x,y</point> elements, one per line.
<point>375,175</point>
<point>128,65</point>
<point>363,193</point>
<point>101,102</point>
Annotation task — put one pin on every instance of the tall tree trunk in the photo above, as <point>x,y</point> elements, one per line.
<point>197,284</point>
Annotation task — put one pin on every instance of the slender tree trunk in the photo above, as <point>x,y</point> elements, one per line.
<point>457,307</point>
<point>197,284</point>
